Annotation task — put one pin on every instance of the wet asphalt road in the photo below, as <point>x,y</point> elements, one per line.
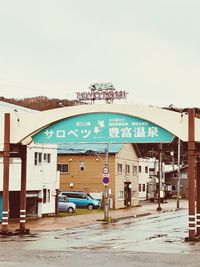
<point>156,240</point>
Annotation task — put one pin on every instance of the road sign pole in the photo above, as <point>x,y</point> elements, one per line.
<point>106,197</point>
<point>106,207</point>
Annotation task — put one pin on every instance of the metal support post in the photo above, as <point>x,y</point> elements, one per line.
<point>106,195</point>
<point>23,153</point>
<point>178,176</point>
<point>198,198</point>
<point>159,177</point>
<point>6,159</point>
<point>106,200</point>
<point>191,171</point>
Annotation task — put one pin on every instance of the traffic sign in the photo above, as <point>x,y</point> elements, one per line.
<point>105,175</point>
<point>105,170</point>
<point>105,180</point>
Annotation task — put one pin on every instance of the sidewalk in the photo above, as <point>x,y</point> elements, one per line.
<point>57,223</point>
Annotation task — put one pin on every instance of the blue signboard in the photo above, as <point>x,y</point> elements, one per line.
<point>103,128</point>
<point>105,180</point>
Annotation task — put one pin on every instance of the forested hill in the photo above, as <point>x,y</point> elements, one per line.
<point>40,102</point>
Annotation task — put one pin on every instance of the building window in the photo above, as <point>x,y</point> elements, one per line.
<point>38,158</point>
<point>35,158</point>
<point>140,169</point>
<point>44,195</point>
<point>173,187</point>
<point>146,169</point>
<point>140,187</point>
<point>82,165</point>
<point>134,170</point>
<point>47,158</point>
<point>143,187</point>
<point>127,168</point>
<point>63,168</point>
<point>120,195</point>
<point>49,195</point>
<point>119,168</point>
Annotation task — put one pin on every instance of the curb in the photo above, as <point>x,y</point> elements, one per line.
<point>116,219</point>
<point>132,216</point>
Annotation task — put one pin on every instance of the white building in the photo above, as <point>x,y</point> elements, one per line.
<point>143,173</point>
<point>42,176</point>
<point>148,170</point>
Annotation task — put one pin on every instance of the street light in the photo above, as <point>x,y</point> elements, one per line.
<point>172,155</point>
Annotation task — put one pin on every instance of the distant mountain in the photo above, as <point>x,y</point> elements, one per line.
<point>41,102</point>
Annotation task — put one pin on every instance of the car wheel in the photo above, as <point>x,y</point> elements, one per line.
<point>90,207</point>
<point>70,210</point>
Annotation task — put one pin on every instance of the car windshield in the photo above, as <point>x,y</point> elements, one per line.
<point>90,196</point>
<point>63,199</point>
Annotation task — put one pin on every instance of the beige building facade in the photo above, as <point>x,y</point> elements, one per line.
<point>81,170</point>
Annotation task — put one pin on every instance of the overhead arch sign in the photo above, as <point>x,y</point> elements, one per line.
<point>103,128</point>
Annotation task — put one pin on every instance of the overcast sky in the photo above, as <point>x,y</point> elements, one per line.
<point>149,48</point>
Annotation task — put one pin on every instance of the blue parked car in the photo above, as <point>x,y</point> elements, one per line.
<point>81,199</point>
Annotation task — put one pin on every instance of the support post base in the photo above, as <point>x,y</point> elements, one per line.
<point>6,233</point>
<point>22,231</point>
<point>192,239</point>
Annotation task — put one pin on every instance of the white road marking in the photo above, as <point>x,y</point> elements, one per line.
<point>101,237</point>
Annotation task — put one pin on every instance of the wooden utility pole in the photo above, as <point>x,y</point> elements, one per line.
<point>198,184</point>
<point>6,159</point>
<point>11,150</point>
<point>198,197</point>
<point>191,171</point>
<point>23,154</point>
